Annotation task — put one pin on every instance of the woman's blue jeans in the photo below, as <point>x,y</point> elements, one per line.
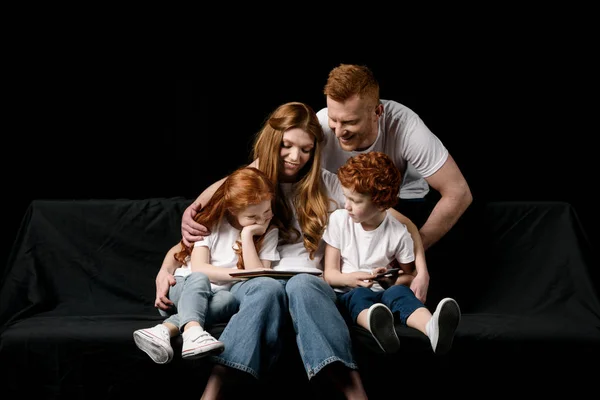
<point>253,336</point>
<point>195,301</point>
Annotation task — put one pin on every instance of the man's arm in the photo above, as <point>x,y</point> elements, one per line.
<point>191,231</point>
<point>455,199</point>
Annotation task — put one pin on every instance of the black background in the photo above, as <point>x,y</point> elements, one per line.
<point>515,112</point>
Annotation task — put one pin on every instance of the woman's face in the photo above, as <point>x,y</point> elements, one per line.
<point>296,150</point>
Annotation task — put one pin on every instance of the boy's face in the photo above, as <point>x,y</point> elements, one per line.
<point>360,207</point>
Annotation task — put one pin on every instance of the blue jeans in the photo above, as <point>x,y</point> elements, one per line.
<point>321,332</point>
<point>398,298</point>
<point>195,301</point>
<point>253,335</point>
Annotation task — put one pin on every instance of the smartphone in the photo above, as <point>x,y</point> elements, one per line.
<point>387,274</point>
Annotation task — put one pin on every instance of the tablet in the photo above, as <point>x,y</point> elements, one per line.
<point>271,273</point>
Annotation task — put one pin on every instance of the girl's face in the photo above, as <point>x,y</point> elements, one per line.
<point>259,214</point>
<point>296,150</point>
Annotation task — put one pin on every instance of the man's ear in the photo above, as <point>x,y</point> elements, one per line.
<point>379,110</point>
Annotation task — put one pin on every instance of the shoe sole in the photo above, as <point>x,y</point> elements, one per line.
<point>193,354</point>
<point>449,317</point>
<point>383,333</point>
<point>149,344</point>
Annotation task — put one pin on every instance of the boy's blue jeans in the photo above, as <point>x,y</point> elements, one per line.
<point>400,299</point>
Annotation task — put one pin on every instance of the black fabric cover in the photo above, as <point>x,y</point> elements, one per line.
<point>80,280</point>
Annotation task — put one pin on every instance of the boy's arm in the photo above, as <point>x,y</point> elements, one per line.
<point>420,283</point>
<point>332,272</point>
<point>333,275</point>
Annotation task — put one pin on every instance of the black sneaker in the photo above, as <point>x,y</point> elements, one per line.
<point>381,325</point>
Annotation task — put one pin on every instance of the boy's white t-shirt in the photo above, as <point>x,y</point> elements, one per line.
<point>402,135</point>
<point>221,243</point>
<point>294,256</point>
<point>366,250</point>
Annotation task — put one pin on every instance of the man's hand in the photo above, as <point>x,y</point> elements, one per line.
<point>164,280</point>
<point>419,286</point>
<point>191,231</point>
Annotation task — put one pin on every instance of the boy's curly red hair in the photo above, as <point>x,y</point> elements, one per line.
<point>372,174</point>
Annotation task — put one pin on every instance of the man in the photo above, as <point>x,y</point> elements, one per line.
<point>356,121</point>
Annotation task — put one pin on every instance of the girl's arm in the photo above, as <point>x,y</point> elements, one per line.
<point>251,258</point>
<point>201,263</point>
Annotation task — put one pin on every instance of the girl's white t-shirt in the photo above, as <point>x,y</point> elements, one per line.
<point>221,243</point>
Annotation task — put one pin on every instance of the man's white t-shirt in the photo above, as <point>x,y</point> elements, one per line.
<point>294,256</point>
<point>221,243</point>
<point>403,136</point>
<point>366,250</point>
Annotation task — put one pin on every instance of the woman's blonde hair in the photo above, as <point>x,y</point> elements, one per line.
<point>309,197</point>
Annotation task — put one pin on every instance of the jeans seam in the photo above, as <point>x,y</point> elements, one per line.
<point>311,372</point>
<point>237,366</point>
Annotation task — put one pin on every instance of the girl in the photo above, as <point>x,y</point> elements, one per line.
<point>242,237</point>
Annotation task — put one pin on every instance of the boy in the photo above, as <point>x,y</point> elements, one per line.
<point>361,240</point>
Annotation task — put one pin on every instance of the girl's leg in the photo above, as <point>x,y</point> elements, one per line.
<point>221,307</point>
<point>192,303</point>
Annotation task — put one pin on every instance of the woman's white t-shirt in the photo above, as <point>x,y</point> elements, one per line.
<point>294,256</point>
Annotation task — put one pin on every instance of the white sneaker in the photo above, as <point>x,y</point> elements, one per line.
<point>156,342</point>
<point>199,343</point>
<point>442,325</point>
<point>380,322</point>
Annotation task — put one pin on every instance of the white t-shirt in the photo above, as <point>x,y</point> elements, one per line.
<point>221,242</point>
<point>294,256</point>
<point>366,250</point>
<point>403,136</point>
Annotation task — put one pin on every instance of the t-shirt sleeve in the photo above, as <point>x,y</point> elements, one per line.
<point>422,148</point>
<point>405,253</point>
<point>269,246</point>
<point>333,188</point>
<point>207,241</point>
<point>332,235</point>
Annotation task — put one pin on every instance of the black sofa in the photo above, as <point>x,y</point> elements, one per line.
<point>80,280</point>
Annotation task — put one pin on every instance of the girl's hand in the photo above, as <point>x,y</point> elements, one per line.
<point>256,229</point>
